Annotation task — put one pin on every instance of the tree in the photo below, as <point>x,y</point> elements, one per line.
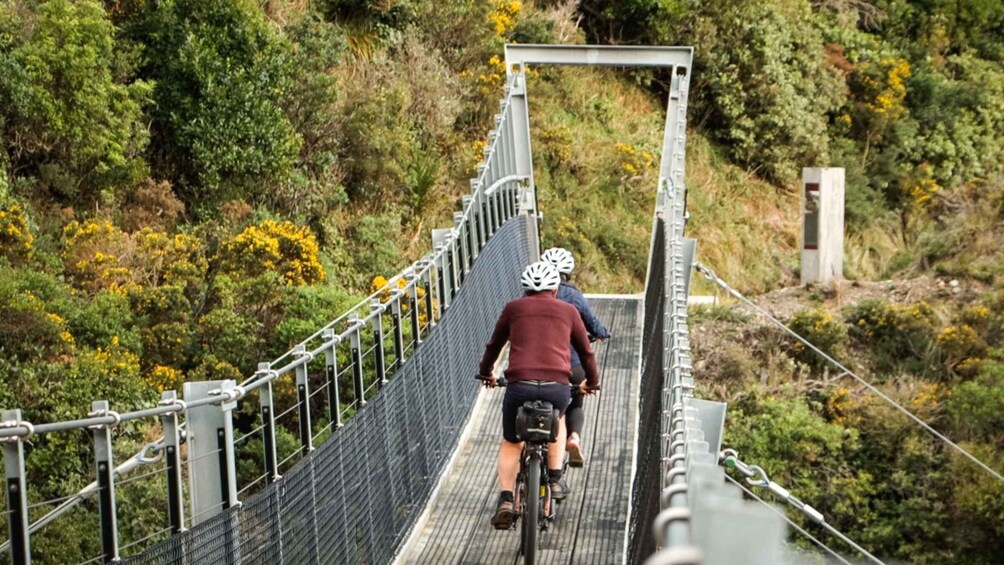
<point>761,84</point>
<point>222,72</point>
<point>66,116</point>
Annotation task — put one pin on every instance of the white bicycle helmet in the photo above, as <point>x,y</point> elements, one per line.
<point>561,258</point>
<point>540,276</point>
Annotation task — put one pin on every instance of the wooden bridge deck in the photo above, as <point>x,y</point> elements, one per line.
<point>590,526</point>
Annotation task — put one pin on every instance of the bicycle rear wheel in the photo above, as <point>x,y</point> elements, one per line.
<point>531,512</point>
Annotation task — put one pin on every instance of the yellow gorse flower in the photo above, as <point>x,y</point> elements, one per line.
<point>282,247</point>
<point>16,239</point>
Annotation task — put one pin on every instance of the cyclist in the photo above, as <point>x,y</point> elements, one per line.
<point>564,263</point>
<point>539,329</point>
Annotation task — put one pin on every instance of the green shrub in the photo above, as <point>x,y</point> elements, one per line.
<point>794,444</point>
<point>314,188</point>
<point>72,122</point>
<point>896,337</point>
<point>106,317</point>
<point>221,73</point>
<point>976,407</point>
<point>821,329</point>
<point>33,311</point>
<point>372,249</point>
<point>979,500</point>
<point>309,308</point>
<point>961,348</point>
<point>763,91</point>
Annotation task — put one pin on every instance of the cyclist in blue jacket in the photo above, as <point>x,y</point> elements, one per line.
<point>564,262</point>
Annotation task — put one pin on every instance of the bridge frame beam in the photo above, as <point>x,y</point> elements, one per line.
<point>679,59</point>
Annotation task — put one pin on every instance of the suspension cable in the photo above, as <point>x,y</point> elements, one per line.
<point>711,276</point>
<point>756,476</point>
<point>802,530</point>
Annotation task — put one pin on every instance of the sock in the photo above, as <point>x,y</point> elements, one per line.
<point>553,475</point>
<point>507,496</point>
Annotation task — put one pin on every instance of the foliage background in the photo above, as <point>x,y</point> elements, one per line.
<point>188,187</point>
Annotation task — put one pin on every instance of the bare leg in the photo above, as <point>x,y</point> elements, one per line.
<point>556,450</point>
<point>508,464</point>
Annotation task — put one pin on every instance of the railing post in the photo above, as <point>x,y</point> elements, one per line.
<point>484,206</point>
<point>444,297</point>
<point>452,245</point>
<point>491,166</point>
<point>331,372</point>
<point>267,401</point>
<point>381,368</point>
<point>500,207</point>
<point>430,313</point>
<point>416,327</point>
<point>472,226</point>
<point>357,363</point>
<point>462,240</point>
<point>225,444</point>
<point>442,242</point>
<point>303,395</point>
<point>15,492</point>
<point>395,315</point>
<point>172,459</point>
<point>210,438</point>
<point>105,466</point>
<point>514,197</point>
<point>479,215</point>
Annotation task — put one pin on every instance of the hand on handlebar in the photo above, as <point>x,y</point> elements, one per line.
<point>587,390</point>
<point>488,381</point>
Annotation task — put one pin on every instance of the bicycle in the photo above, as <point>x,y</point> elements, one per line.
<point>537,426</point>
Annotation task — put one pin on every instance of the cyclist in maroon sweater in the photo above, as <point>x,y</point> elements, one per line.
<point>539,329</point>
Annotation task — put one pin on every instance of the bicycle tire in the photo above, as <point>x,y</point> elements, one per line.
<point>531,512</point>
<point>520,493</point>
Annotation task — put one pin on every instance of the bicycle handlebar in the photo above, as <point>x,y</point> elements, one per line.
<point>502,382</point>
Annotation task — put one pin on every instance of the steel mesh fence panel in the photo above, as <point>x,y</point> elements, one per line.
<point>646,487</point>
<point>354,498</point>
<point>296,514</point>
<point>330,503</point>
<point>260,522</point>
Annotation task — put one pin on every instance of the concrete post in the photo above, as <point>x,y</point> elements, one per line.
<point>822,225</point>
<point>16,492</point>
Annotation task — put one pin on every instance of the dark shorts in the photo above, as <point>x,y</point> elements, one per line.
<point>558,394</point>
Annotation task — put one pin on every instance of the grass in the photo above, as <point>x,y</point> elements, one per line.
<point>747,229</point>
<point>591,132</point>
<point>580,121</point>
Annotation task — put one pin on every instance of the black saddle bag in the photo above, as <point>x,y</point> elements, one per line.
<point>537,421</point>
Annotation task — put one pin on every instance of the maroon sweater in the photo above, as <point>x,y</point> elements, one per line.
<point>539,328</point>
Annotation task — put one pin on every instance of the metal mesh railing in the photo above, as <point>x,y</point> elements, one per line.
<point>353,499</point>
<point>682,511</point>
<point>644,506</point>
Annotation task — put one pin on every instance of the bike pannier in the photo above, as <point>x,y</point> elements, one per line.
<point>537,421</point>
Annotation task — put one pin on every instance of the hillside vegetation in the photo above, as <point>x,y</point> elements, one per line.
<point>188,187</point>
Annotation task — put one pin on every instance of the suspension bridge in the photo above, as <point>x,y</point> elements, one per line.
<point>371,442</point>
